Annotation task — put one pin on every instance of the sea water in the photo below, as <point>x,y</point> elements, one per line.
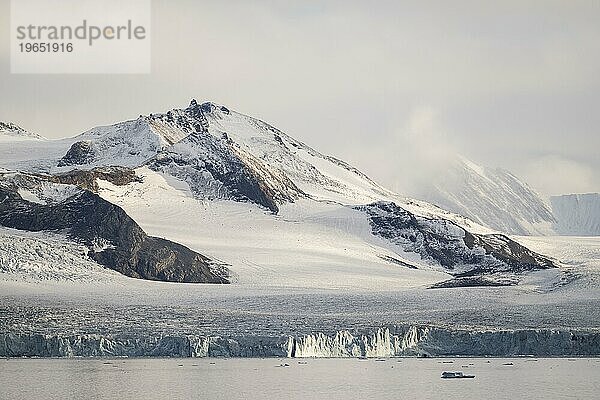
<point>273,378</point>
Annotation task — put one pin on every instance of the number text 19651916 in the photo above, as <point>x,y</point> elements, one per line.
<point>45,47</point>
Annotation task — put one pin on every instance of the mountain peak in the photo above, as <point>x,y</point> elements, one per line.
<point>491,196</point>
<point>206,107</point>
<point>14,130</point>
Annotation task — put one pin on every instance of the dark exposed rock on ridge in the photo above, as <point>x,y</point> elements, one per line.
<point>461,253</point>
<point>114,239</point>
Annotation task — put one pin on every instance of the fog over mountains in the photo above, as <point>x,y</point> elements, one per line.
<point>497,198</point>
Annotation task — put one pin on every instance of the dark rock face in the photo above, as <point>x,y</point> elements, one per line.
<point>518,257</point>
<point>114,239</point>
<point>460,252</point>
<point>80,153</point>
<point>87,179</point>
<point>470,281</point>
<point>215,168</point>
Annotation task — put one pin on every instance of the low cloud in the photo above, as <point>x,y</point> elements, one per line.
<point>395,89</point>
<point>555,175</point>
<point>424,150</point>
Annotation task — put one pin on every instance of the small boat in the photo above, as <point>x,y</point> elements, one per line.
<point>455,375</point>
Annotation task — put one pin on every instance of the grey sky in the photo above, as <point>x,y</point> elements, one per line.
<point>389,86</point>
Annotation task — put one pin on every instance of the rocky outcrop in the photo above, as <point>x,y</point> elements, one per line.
<point>114,239</point>
<point>442,242</point>
<point>215,168</point>
<point>473,281</point>
<point>88,179</point>
<point>79,153</point>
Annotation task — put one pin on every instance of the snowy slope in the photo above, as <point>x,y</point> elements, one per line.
<point>323,177</point>
<point>295,216</point>
<point>580,259</point>
<point>308,244</point>
<point>221,141</point>
<point>21,150</point>
<point>491,197</point>
<point>577,214</point>
<point>129,143</point>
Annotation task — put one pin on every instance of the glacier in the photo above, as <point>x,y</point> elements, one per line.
<point>577,214</point>
<point>395,341</point>
<point>321,260</point>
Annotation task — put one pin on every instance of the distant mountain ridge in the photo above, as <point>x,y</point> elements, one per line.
<point>11,129</point>
<point>491,197</point>
<point>577,214</point>
<point>496,198</point>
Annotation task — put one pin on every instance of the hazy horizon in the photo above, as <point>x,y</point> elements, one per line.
<point>394,89</point>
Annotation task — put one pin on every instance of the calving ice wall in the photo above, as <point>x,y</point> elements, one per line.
<point>344,344</point>
<point>393,341</point>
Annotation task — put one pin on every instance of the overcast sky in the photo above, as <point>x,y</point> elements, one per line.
<point>389,86</point>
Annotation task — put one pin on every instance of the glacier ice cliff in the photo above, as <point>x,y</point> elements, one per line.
<point>420,341</point>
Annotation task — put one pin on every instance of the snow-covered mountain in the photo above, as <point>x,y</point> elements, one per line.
<point>321,260</point>
<point>66,203</point>
<point>491,197</point>
<point>496,198</point>
<point>235,189</point>
<point>227,146</point>
<point>11,131</point>
<point>577,214</point>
